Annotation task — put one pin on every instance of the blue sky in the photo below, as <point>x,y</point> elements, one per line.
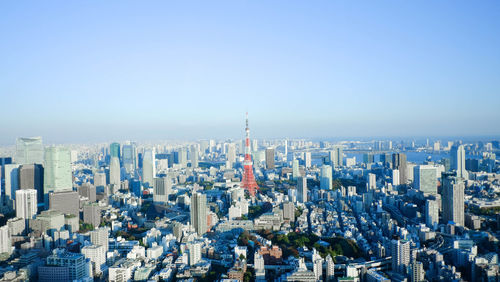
<point>85,71</point>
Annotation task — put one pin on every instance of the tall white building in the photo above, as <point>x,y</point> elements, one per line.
<point>231,154</point>
<point>26,203</point>
<point>372,181</point>
<point>317,261</point>
<point>453,200</point>
<point>97,255</point>
<point>29,150</point>
<point>336,156</point>
<point>5,241</point>
<point>194,252</point>
<point>457,160</point>
<point>295,169</point>
<point>425,178</point>
<point>395,177</point>
<point>258,264</point>
<point>114,172</point>
<point>307,159</point>
<point>431,213</point>
<point>148,167</point>
<point>400,250</point>
<point>330,269</point>
<point>194,154</point>
<point>199,213</point>
<point>100,237</point>
<point>302,189</point>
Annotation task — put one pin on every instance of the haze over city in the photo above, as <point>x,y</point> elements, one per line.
<point>118,70</point>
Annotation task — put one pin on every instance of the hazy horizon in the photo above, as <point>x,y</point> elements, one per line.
<point>89,72</point>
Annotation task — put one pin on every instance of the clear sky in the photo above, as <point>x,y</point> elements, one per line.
<point>85,71</point>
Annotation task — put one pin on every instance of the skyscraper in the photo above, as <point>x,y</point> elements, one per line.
<point>57,172</point>
<point>330,269</point>
<point>31,177</point>
<point>431,213</point>
<point>400,250</point>
<point>307,159</point>
<point>336,156</point>
<point>194,156</point>
<point>148,167</point>
<point>231,155</point>
<point>326,178</point>
<point>129,156</point>
<point>457,160</point>
<point>425,178</point>
<point>100,237</point>
<point>295,169</point>
<point>67,202</point>
<point>399,163</point>
<point>92,214</point>
<point>453,199</point>
<point>372,181</point>
<point>5,240</point>
<point>114,150</point>
<point>26,203</point>
<point>161,189</point>
<point>302,189</point>
<point>29,150</point>
<point>270,158</point>
<point>199,213</point>
<point>194,252</point>
<point>11,180</point>
<point>114,172</point>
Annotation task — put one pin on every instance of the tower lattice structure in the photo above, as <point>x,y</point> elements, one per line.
<point>248,181</point>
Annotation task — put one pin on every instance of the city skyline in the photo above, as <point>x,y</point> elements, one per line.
<point>97,72</point>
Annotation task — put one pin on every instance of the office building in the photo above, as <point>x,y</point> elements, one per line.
<point>26,203</point>
<point>114,150</point>
<point>194,156</point>
<point>75,263</point>
<point>161,189</point>
<point>425,179</point>
<point>97,256</point>
<point>368,158</point>
<point>92,214</point>
<point>295,169</point>
<point>114,172</point>
<point>194,253</point>
<point>326,178</point>
<point>399,163</point>
<point>199,213</point>
<point>100,237</point>
<point>372,181</point>
<point>307,159</point>
<point>431,213</point>
<point>400,250</point>
<point>31,177</point>
<point>289,211</point>
<point>395,177</point>
<point>457,160</point>
<point>270,158</point>
<point>231,155</point>
<point>453,199</point>
<point>148,167</point>
<point>336,156</point>
<point>11,181</point>
<point>29,151</point>
<point>5,240</point>
<point>88,191</point>
<point>302,189</point>
<point>129,157</point>
<point>57,175</point>
<point>99,179</point>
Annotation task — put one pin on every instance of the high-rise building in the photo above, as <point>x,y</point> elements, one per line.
<point>289,211</point>
<point>92,214</point>
<point>114,172</point>
<point>307,159</point>
<point>231,155</point>
<point>148,167</point>
<point>100,179</point>
<point>114,150</point>
<point>431,213</point>
<point>31,177</point>
<point>400,250</point>
<point>29,150</point>
<point>325,181</point>
<point>395,177</point>
<point>270,158</point>
<point>336,156</point>
<point>453,199</point>
<point>302,189</point>
<point>368,158</point>
<point>330,269</point>
<point>57,174</point>
<point>88,191</point>
<point>194,252</point>
<point>372,181</point>
<point>417,272</point>
<point>11,181</point>
<point>194,156</point>
<point>295,169</point>
<point>67,202</point>
<point>97,255</point>
<point>399,163</point>
<point>457,160</point>
<point>317,261</point>
<point>100,237</point>
<point>73,261</point>
<point>129,157</point>
<point>26,203</point>
<point>425,178</point>
<point>161,189</point>
<point>5,240</point>
<point>199,213</point>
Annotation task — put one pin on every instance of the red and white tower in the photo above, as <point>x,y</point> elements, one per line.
<point>248,181</point>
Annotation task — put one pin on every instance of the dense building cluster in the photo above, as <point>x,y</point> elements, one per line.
<point>323,211</point>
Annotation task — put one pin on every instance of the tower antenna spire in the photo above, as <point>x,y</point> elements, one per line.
<point>248,182</point>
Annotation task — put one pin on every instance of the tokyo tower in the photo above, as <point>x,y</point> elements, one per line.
<point>248,181</point>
